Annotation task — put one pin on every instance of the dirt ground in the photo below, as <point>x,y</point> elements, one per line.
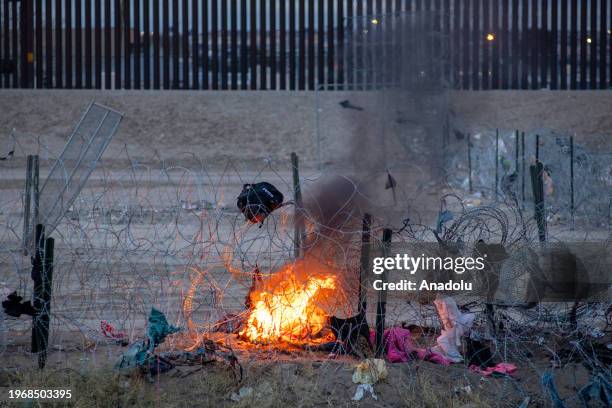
<point>284,378</point>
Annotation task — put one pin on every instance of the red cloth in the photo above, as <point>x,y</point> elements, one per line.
<point>109,331</point>
<point>500,368</point>
<point>399,347</point>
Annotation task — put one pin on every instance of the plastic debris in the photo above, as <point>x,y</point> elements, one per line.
<point>455,326</point>
<point>135,356</point>
<point>242,393</point>
<point>362,390</point>
<point>370,371</point>
<point>467,390</point>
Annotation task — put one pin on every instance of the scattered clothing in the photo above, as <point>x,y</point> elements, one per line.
<point>478,353</point>
<point>108,330</point>
<point>349,331</point>
<point>498,369</point>
<point>362,390</point>
<point>370,371</point>
<point>257,201</point>
<point>135,356</point>
<point>455,326</point>
<point>158,328</point>
<point>141,354</point>
<point>399,347</point>
<point>15,308</point>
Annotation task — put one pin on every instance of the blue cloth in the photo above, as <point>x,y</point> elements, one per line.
<point>141,353</point>
<point>158,328</point>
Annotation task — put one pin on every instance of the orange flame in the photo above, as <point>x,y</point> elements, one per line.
<point>289,308</point>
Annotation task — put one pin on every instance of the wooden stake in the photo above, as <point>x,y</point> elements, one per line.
<point>382,297</point>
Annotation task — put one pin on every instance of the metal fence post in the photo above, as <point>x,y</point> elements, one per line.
<point>382,298</point>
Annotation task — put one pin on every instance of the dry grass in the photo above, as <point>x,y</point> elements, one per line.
<point>271,384</point>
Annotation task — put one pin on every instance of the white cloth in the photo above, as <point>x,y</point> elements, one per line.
<point>455,326</point>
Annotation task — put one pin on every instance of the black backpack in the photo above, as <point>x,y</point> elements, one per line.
<point>257,201</point>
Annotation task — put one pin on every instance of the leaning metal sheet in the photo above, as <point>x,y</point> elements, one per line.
<point>81,154</point>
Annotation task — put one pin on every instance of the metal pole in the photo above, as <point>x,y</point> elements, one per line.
<point>365,263</point>
<point>35,190</point>
<point>496,162</point>
<point>382,297</point>
<point>469,142</point>
<point>516,152</point>
<point>537,184</point>
<point>27,205</point>
<point>36,276</point>
<point>572,208</point>
<point>523,168</point>
<point>297,197</point>
<point>44,314</point>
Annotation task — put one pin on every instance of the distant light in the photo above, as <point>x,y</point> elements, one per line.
<point>490,37</point>
<point>609,31</point>
<point>375,21</point>
<point>589,40</point>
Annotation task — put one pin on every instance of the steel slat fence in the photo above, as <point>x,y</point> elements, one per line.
<point>295,44</point>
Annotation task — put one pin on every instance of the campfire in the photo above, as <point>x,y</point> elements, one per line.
<point>290,306</point>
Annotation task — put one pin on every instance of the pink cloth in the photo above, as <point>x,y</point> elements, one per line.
<point>500,368</point>
<point>399,347</point>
